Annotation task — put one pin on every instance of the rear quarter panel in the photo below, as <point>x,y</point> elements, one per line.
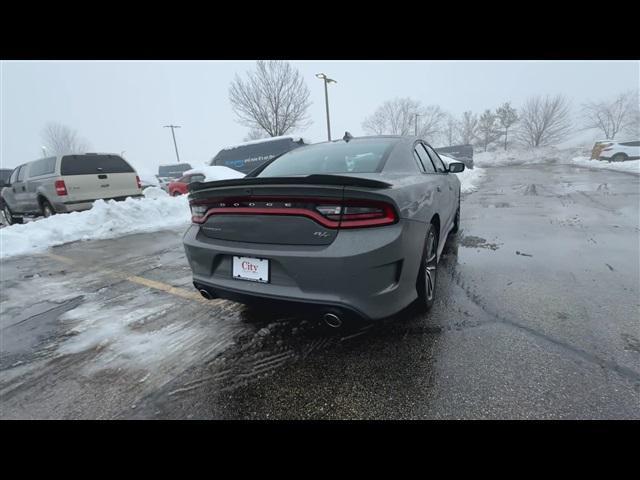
<point>417,199</point>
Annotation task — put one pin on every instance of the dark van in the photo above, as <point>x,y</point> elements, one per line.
<point>462,153</point>
<point>249,156</point>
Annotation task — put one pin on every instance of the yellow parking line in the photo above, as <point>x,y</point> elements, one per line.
<point>156,285</point>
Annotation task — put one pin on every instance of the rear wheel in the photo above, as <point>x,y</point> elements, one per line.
<point>427,276</point>
<point>47,209</point>
<point>619,157</point>
<point>11,220</point>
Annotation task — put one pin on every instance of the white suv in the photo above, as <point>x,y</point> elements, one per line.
<point>620,151</point>
<point>67,183</point>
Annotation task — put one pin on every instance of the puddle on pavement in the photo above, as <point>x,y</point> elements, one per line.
<point>471,241</point>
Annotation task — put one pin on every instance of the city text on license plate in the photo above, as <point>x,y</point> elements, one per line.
<point>249,268</point>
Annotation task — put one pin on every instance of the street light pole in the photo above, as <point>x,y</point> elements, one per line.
<point>416,126</point>
<point>326,79</point>
<point>172,127</point>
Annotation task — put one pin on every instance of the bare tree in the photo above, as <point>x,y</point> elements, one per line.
<point>507,117</point>
<point>393,117</point>
<point>274,98</point>
<point>613,116</point>
<point>488,129</point>
<point>544,120</point>
<point>450,130</point>
<point>468,128</point>
<point>430,122</point>
<point>59,139</point>
<point>403,116</point>
<point>255,134</point>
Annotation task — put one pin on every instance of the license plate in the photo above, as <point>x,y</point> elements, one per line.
<point>252,269</point>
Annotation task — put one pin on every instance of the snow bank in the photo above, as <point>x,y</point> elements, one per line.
<point>501,158</point>
<point>214,173</point>
<point>632,166</point>
<point>469,179</point>
<point>110,219</point>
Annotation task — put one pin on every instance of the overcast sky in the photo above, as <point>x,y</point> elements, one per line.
<point>120,106</point>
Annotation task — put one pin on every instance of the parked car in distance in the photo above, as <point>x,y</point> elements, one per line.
<point>67,183</point>
<point>597,148</point>
<point>355,226</point>
<point>169,173</point>
<point>620,151</point>
<point>251,155</point>
<point>181,186</point>
<point>462,153</point>
<point>5,174</point>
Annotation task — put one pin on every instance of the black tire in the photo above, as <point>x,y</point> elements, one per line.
<point>619,157</point>
<point>428,273</point>
<point>456,220</point>
<point>47,209</point>
<point>8,216</point>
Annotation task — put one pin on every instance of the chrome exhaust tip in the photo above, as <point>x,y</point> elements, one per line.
<point>332,320</point>
<point>205,294</point>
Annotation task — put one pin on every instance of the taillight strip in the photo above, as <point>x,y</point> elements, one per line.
<point>300,212</point>
<point>357,220</point>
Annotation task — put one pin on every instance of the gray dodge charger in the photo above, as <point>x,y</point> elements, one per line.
<point>354,226</point>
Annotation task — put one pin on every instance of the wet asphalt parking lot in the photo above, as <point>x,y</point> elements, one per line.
<point>537,317</point>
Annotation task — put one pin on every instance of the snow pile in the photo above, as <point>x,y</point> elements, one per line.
<point>469,179</point>
<point>631,166</point>
<point>110,219</point>
<point>214,173</point>
<point>501,158</point>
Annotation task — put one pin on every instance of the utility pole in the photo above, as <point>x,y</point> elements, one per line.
<point>416,126</point>
<point>326,79</point>
<point>173,127</point>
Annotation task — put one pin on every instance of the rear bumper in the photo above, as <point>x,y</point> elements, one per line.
<point>371,272</point>
<point>65,207</point>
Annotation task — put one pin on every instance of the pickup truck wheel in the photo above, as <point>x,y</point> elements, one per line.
<point>47,209</point>
<point>11,220</point>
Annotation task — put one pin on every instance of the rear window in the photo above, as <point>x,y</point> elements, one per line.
<point>326,158</point>
<point>174,171</point>
<point>93,164</point>
<point>45,166</point>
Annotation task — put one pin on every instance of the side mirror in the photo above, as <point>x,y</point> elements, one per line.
<point>456,167</point>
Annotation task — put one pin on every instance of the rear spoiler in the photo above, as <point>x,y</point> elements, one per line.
<point>308,180</point>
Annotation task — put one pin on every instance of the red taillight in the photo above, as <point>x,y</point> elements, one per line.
<point>330,213</point>
<point>138,181</point>
<point>360,216</point>
<point>61,188</point>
